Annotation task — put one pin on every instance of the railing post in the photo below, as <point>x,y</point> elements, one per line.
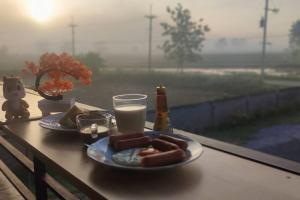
<point>39,174</point>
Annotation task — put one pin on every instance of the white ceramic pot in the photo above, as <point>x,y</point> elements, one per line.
<point>50,106</point>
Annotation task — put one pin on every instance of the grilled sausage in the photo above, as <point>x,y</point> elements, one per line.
<point>181,143</point>
<point>163,145</point>
<point>114,138</point>
<point>164,158</point>
<point>148,151</point>
<point>131,143</point>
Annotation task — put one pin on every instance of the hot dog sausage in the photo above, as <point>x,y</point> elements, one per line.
<point>181,143</point>
<point>163,145</point>
<point>131,143</point>
<point>148,151</point>
<point>164,158</point>
<point>114,138</point>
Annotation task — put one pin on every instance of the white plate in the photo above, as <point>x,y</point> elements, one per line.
<point>52,122</point>
<point>102,152</point>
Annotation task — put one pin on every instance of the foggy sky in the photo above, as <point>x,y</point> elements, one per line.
<point>119,26</point>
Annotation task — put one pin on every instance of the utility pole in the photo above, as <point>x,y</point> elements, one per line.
<point>150,17</point>
<point>264,25</point>
<point>73,26</point>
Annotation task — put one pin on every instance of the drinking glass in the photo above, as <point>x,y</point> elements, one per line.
<point>94,124</point>
<point>130,112</point>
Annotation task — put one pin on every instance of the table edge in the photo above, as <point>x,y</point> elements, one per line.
<point>243,152</point>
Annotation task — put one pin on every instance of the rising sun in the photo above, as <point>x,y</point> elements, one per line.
<point>40,10</point>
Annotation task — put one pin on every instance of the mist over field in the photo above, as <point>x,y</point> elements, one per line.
<point>120,27</point>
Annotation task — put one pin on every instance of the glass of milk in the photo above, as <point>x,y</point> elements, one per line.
<point>130,112</point>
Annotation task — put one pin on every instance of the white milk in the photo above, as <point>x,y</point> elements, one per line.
<point>131,118</point>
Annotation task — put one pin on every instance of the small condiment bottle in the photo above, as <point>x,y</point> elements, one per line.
<point>162,121</point>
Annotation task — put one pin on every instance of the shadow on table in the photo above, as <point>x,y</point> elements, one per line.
<point>149,184</point>
<point>63,141</point>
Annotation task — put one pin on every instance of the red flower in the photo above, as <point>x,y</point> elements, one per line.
<point>60,66</point>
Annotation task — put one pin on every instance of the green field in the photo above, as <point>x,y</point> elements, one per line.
<point>182,88</point>
<point>242,133</point>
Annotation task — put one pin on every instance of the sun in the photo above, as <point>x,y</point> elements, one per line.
<point>40,10</point>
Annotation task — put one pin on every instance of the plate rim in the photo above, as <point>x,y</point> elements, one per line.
<point>62,129</point>
<point>140,168</point>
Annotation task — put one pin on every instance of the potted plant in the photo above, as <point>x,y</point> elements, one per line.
<point>57,69</point>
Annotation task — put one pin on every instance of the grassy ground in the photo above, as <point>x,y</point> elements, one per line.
<point>182,89</point>
<point>241,134</point>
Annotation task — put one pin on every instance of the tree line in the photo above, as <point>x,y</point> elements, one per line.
<point>185,39</point>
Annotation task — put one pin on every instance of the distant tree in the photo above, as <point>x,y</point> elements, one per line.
<point>93,61</point>
<point>221,43</point>
<point>294,38</point>
<point>238,42</point>
<point>186,36</point>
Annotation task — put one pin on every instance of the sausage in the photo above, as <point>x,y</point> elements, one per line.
<point>163,158</point>
<point>163,145</point>
<point>148,151</point>
<point>181,143</point>
<point>131,143</point>
<point>114,138</point>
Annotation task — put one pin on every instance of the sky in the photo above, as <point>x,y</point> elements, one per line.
<point>119,26</point>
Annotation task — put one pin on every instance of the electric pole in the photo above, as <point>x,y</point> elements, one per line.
<point>150,17</point>
<point>264,25</point>
<point>73,26</point>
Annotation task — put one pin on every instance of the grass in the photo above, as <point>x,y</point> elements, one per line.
<point>291,77</point>
<point>228,83</point>
<point>242,133</point>
<point>182,88</point>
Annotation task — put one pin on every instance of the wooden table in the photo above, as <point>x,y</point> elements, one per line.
<point>215,175</point>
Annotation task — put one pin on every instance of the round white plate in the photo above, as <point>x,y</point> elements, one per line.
<point>103,153</point>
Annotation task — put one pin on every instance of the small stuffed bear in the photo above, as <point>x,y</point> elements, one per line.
<point>15,106</point>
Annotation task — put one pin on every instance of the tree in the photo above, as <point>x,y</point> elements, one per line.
<point>221,43</point>
<point>186,36</point>
<point>295,41</point>
<point>93,60</point>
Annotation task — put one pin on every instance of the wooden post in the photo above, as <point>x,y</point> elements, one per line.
<point>39,174</point>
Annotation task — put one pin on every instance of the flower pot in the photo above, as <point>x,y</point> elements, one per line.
<point>49,106</point>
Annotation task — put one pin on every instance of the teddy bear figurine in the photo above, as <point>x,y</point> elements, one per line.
<point>14,92</point>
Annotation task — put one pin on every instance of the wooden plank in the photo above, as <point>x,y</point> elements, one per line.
<point>7,190</point>
<point>24,191</point>
<point>17,154</point>
<point>58,189</point>
<point>51,182</point>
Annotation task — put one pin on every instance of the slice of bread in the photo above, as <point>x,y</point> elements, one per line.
<point>69,119</point>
